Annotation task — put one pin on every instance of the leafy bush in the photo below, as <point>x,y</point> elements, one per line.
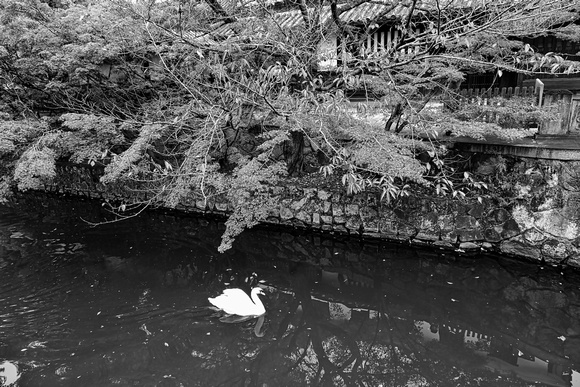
<point>35,168</point>
<point>131,157</point>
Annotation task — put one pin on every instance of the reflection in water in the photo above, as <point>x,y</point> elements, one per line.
<point>126,304</point>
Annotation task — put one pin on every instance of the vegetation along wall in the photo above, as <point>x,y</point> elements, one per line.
<point>532,209</point>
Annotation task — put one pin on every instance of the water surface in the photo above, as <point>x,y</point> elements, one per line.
<point>125,304</point>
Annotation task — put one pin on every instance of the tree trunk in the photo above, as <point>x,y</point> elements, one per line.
<point>295,154</point>
<point>394,122</point>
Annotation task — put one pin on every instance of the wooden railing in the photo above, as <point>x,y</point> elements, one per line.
<point>560,123</point>
<point>504,92</point>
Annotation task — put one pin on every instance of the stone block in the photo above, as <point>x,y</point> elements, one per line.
<point>469,246</point>
<point>298,205</point>
<point>534,236</point>
<point>470,235</point>
<point>553,222</point>
<point>556,250</point>
<point>339,219</point>
<point>571,208</point>
<point>370,226</point>
<point>326,207</point>
<point>426,236</point>
<point>386,225</point>
<point>286,213</point>
<point>352,209</point>
<point>326,219</point>
<point>316,219</point>
<point>515,247</point>
<point>446,222</point>
<point>449,236</point>
<point>510,229</point>
<point>476,210</point>
<point>327,227</point>
<point>304,217</point>
<point>406,230</point>
<point>272,212</point>
<point>443,244</point>
<point>466,222</point>
<point>499,215</point>
<point>337,210</point>
<point>368,213</point>
<point>491,235</point>
<point>353,223</point>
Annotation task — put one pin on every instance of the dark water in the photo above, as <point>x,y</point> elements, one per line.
<point>125,304</point>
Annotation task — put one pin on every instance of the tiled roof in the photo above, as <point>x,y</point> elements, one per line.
<point>363,13</point>
<point>294,18</point>
<point>376,9</point>
<point>370,11</point>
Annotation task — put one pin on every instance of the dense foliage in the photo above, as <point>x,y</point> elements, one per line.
<point>221,99</point>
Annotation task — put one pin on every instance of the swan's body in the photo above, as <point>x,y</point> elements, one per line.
<point>237,302</point>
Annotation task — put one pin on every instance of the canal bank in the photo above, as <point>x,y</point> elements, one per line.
<point>530,210</point>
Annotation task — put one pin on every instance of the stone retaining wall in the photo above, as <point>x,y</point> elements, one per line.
<point>537,217</point>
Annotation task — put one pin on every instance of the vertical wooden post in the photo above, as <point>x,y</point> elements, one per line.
<point>417,32</point>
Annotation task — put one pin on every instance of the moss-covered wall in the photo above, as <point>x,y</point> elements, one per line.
<point>532,210</point>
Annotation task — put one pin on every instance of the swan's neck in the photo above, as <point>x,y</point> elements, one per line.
<point>256,300</point>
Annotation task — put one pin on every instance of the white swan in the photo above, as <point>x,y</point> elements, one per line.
<point>237,302</point>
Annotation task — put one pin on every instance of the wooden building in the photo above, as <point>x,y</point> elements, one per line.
<point>379,26</point>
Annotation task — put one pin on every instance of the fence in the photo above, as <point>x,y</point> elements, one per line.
<point>504,92</point>
<point>564,121</point>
